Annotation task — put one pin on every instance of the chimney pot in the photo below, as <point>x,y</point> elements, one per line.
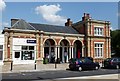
<point>68,23</point>
<point>68,19</point>
<point>86,16</point>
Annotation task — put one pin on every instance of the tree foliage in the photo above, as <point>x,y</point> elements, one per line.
<point>115,42</point>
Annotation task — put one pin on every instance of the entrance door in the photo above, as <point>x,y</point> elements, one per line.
<point>46,51</point>
<point>77,49</point>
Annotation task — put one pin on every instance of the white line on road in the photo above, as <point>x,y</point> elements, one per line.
<point>109,76</point>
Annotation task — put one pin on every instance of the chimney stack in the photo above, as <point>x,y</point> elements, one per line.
<point>68,23</point>
<point>86,16</point>
<point>13,21</point>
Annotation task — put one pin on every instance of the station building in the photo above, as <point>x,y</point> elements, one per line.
<point>26,42</point>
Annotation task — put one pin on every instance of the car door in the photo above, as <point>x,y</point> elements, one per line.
<point>84,63</point>
<point>91,64</point>
<point>115,61</point>
<point>87,63</point>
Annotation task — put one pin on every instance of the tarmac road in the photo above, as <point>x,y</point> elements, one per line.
<point>64,75</point>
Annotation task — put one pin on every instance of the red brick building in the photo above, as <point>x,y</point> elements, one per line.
<point>26,42</point>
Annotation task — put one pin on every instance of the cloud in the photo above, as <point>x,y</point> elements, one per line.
<point>4,24</point>
<point>111,28</point>
<point>2,5</point>
<point>49,13</point>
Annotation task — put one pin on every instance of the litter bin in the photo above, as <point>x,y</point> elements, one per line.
<point>45,60</point>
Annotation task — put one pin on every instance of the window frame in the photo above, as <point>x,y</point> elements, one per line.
<point>98,53</point>
<point>98,30</point>
<point>27,50</point>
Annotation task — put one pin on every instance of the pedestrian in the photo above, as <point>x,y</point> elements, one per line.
<point>48,57</point>
<point>65,57</point>
<point>52,57</point>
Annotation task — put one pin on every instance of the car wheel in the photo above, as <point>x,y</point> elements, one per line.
<point>96,68</point>
<point>117,67</point>
<point>80,68</point>
<point>71,69</point>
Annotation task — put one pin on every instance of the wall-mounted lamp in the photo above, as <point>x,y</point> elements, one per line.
<point>8,45</point>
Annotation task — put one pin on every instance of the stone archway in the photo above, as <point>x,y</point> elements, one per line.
<point>64,51</point>
<point>49,50</point>
<point>77,51</point>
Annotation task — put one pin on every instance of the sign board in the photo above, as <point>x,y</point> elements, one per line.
<point>31,41</point>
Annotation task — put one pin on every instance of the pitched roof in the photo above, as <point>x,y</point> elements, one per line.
<point>53,28</point>
<point>22,24</point>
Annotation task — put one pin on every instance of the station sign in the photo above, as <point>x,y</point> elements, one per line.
<point>31,41</point>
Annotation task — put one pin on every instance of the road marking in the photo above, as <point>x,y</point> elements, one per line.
<point>23,74</point>
<point>12,75</point>
<point>109,76</point>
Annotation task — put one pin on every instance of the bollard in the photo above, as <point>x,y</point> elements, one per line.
<point>55,64</point>
<point>11,66</point>
<point>35,65</point>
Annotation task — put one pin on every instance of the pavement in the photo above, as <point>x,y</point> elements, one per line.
<point>19,68</point>
<point>6,68</point>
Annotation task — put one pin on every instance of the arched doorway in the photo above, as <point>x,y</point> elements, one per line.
<point>64,51</point>
<point>49,50</point>
<point>77,49</point>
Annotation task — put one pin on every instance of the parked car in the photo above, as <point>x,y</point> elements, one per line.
<point>112,63</point>
<point>74,59</point>
<point>83,64</point>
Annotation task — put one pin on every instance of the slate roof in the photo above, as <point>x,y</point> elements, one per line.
<point>53,28</point>
<point>22,24</point>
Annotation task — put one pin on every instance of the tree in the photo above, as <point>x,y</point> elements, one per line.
<point>115,42</point>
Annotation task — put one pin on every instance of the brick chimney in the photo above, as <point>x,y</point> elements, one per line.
<point>68,23</point>
<point>86,16</point>
<point>13,21</point>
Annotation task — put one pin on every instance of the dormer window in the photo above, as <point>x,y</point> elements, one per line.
<point>98,31</point>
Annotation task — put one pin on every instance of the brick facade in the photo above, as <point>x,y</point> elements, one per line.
<point>86,36</point>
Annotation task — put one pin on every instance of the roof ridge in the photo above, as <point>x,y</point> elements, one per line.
<point>48,24</point>
<point>28,24</point>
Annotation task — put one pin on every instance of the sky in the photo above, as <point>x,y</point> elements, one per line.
<point>56,13</point>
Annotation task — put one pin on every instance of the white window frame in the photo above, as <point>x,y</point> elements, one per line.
<point>28,50</point>
<point>98,31</point>
<point>99,55</point>
<point>20,50</point>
